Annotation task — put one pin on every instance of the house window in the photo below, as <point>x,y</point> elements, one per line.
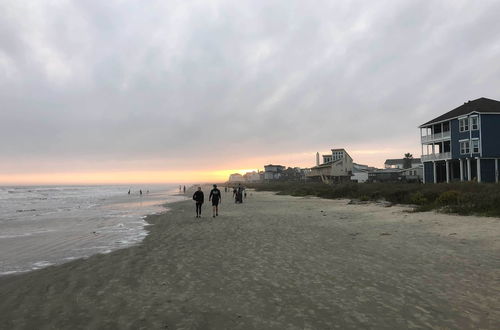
<point>463,124</point>
<point>475,146</point>
<point>464,147</point>
<point>474,122</point>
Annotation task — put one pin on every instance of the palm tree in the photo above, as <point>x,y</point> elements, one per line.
<point>407,160</point>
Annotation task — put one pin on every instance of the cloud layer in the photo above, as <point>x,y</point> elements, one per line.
<point>179,82</point>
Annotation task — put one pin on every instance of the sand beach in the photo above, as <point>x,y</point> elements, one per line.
<point>275,262</point>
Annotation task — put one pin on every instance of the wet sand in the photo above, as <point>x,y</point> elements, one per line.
<point>276,262</point>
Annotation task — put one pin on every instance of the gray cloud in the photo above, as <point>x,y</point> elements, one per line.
<point>109,80</point>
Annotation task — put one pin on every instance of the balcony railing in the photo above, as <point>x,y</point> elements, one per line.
<point>436,136</point>
<point>440,156</point>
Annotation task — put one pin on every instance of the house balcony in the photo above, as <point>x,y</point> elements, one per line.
<point>434,157</point>
<point>436,137</point>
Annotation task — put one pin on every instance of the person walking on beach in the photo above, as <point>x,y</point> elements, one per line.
<point>216,198</point>
<point>184,189</point>
<point>198,197</point>
<point>238,192</point>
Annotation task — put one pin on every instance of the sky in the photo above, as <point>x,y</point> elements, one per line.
<point>124,91</point>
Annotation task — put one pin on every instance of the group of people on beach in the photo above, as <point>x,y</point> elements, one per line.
<point>140,192</point>
<point>216,198</point>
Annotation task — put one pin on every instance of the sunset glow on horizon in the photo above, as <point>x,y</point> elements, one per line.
<point>125,177</point>
<point>371,157</point>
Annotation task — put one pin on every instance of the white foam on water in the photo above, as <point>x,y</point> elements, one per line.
<point>12,272</point>
<point>59,224</point>
<point>41,264</point>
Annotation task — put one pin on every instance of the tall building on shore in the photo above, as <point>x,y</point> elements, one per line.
<point>463,144</point>
<point>337,166</point>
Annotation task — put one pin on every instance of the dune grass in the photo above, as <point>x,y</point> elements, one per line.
<point>465,198</point>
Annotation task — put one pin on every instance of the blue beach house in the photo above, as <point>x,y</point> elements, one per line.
<point>463,144</point>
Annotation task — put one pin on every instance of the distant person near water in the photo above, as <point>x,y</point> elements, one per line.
<point>129,191</point>
<point>184,189</point>
<point>216,198</point>
<point>199,198</point>
<point>180,189</point>
<point>140,192</point>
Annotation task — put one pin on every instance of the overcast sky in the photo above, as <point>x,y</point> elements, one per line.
<point>202,85</point>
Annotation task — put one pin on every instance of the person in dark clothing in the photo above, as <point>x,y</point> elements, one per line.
<point>216,198</point>
<point>199,198</point>
<point>239,194</point>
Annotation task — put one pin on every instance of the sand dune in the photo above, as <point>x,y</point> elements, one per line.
<point>275,262</point>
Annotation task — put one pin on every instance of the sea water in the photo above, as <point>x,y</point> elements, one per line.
<point>46,225</point>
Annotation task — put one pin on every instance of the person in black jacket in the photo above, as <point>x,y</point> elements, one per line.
<point>216,198</point>
<point>199,198</point>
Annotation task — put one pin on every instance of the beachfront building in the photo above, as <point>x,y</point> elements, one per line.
<point>236,177</point>
<point>360,172</point>
<point>400,163</point>
<point>463,144</point>
<point>336,167</point>
<point>384,175</point>
<point>253,176</point>
<point>273,172</point>
<point>294,174</point>
<point>413,174</point>
<point>394,174</point>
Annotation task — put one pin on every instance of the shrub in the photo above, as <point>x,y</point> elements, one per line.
<point>450,197</point>
<point>364,198</point>
<point>418,198</point>
<point>461,198</point>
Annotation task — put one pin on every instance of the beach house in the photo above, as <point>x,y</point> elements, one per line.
<point>336,167</point>
<point>273,172</point>
<point>463,144</point>
<point>253,176</point>
<point>400,162</point>
<point>236,177</point>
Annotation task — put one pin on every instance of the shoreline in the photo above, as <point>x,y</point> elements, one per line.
<point>274,262</point>
<point>111,222</point>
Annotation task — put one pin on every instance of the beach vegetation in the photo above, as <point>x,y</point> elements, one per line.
<point>464,198</point>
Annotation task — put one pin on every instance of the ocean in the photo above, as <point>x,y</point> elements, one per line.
<point>47,225</point>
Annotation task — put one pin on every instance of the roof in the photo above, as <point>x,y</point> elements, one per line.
<point>400,161</point>
<point>395,170</point>
<point>481,105</point>
<point>328,164</point>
